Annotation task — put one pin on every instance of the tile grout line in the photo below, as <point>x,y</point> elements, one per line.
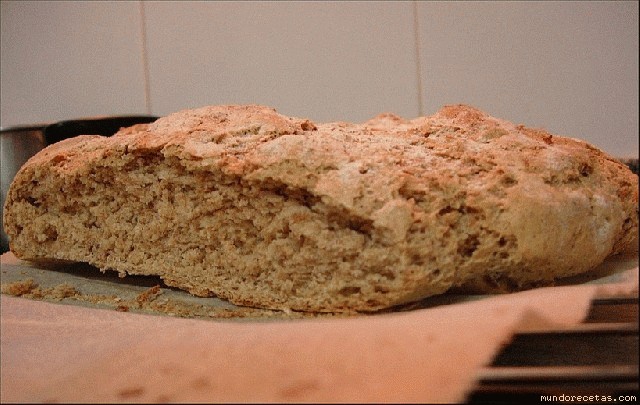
<point>145,59</point>
<point>416,35</point>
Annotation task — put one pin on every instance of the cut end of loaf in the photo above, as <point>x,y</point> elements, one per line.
<point>258,244</point>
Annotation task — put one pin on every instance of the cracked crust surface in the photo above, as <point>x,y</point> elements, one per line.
<point>278,212</point>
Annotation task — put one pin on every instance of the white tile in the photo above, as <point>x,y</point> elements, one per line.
<point>321,60</point>
<point>569,67</point>
<point>63,60</point>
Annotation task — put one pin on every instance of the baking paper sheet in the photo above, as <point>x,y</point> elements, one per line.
<point>429,353</point>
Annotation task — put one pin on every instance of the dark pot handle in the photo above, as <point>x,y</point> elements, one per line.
<point>106,126</point>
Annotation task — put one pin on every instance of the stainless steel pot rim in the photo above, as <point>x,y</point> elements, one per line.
<point>23,128</point>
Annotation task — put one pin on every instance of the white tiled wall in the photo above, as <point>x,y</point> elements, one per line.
<point>327,61</point>
<point>570,67</point>
<point>62,60</point>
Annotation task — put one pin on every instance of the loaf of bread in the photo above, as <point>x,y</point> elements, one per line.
<point>270,211</point>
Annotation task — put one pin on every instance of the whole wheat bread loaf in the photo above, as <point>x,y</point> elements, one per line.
<point>277,212</point>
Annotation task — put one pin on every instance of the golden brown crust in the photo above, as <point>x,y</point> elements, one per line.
<point>279,212</point>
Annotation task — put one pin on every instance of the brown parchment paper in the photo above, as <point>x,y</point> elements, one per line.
<point>51,352</point>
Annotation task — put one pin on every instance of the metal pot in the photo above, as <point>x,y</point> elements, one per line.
<point>19,143</point>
